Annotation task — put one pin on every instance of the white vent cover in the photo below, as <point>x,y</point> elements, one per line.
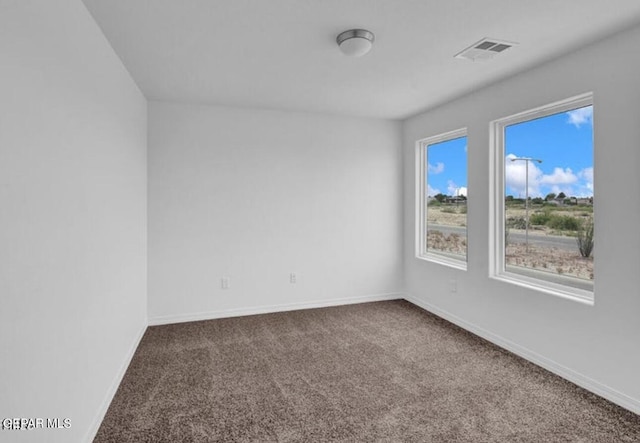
<point>485,49</point>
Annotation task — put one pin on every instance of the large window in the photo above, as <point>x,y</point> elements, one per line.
<point>543,231</point>
<point>442,198</point>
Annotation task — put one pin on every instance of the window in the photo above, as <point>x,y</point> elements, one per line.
<point>442,198</point>
<point>542,206</point>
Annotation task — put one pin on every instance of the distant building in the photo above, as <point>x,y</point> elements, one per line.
<point>584,201</point>
<point>459,199</point>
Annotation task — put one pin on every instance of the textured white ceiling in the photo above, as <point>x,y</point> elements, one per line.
<point>281,54</point>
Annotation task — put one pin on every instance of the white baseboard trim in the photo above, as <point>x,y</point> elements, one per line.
<point>619,398</point>
<point>211,315</point>
<point>111,392</point>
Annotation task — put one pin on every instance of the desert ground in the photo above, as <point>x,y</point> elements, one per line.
<point>556,260</point>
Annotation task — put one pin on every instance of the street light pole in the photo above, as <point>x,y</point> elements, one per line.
<point>526,161</point>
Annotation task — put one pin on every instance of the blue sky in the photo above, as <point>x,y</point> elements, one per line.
<point>564,143</point>
<point>447,167</point>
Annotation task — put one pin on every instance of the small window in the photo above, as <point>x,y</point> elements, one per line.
<point>442,194</point>
<point>543,198</point>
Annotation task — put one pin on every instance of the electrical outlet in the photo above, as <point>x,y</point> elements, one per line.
<point>453,286</point>
<point>225,283</point>
<point>293,278</point>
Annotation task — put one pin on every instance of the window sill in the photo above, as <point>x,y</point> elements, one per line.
<point>449,260</point>
<point>579,295</point>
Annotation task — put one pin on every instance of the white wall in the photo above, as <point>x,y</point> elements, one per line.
<point>597,346</point>
<point>73,218</point>
<point>254,195</point>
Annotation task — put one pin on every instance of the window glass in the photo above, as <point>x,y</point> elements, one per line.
<point>444,194</point>
<point>548,200</point>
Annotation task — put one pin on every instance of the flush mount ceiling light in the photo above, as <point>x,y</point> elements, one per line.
<point>355,42</point>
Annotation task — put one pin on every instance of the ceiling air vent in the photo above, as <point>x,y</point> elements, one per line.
<point>485,49</point>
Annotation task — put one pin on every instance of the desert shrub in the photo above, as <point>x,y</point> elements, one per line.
<point>514,202</point>
<point>434,202</point>
<point>585,239</point>
<point>449,210</point>
<point>563,222</point>
<point>540,218</point>
<point>439,241</point>
<point>517,223</point>
<point>463,209</point>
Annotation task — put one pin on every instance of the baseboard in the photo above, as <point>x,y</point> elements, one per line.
<point>211,315</point>
<point>581,380</point>
<point>111,392</point>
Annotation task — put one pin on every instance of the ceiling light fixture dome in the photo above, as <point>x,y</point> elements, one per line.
<point>355,42</point>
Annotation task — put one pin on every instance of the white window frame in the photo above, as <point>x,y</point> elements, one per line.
<point>497,268</point>
<point>421,197</point>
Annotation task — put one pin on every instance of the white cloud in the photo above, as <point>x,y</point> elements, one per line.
<point>435,169</point>
<point>559,177</point>
<point>564,180</point>
<point>454,190</point>
<point>567,190</point>
<point>516,177</point>
<point>587,182</point>
<point>582,186</point>
<point>581,116</point>
<point>451,187</point>
<point>587,174</point>
<point>432,191</point>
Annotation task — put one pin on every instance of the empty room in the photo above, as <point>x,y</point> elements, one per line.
<point>310,221</point>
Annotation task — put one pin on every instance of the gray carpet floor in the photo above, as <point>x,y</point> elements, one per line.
<point>386,371</point>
